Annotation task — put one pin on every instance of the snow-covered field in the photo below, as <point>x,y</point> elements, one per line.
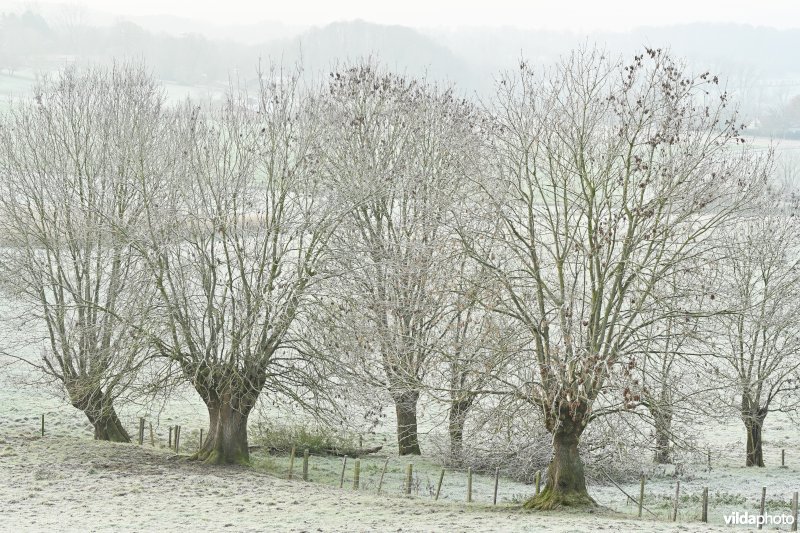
<point>68,482</point>
<point>72,484</point>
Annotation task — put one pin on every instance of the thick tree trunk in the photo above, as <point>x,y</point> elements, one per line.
<point>99,409</point>
<point>663,429</point>
<point>227,435</point>
<point>566,482</point>
<point>663,455</point>
<point>753,417</point>
<point>229,395</point>
<point>457,417</point>
<point>755,455</point>
<point>406,409</point>
<point>107,426</point>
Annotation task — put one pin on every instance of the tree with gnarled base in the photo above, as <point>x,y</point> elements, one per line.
<point>233,246</point>
<point>71,160</point>
<point>609,177</point>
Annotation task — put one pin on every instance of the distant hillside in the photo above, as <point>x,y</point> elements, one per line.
<point>759,63</point>
<point>772,51</point>
<point>398,47</point>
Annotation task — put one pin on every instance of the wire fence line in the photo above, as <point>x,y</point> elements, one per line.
<point>398,477</point>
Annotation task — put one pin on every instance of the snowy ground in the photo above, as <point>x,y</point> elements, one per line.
<point>67,481</point>
<point>71,484</point>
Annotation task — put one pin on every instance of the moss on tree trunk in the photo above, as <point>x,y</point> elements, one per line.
<point>566,482</point>
<point>406,409</point>
<point>227,436</point>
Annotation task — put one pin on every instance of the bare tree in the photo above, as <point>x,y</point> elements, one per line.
<point>758,340</point>
<point>233,246</point>
<point>475,347</point>
<point>609,177</point>
<point>71,160</point>
<point>399,153</point>
<point>667,354</point>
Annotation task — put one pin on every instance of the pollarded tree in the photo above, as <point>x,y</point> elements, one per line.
<point>758,335</point>
<point>399,152</point>
<point>233,246</point>
<point>71,160</point>
<point>609,178</point>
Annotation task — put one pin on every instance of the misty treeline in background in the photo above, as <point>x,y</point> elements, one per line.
<point>588,263</point>
<point>758,62</point>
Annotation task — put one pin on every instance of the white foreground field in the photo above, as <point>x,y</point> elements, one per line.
<point>71,484</point>
<point>68,482</point>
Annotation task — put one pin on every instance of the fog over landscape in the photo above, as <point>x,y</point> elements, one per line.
<point>413,266</point>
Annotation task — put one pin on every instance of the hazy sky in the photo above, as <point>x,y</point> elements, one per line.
<point>552,14</point>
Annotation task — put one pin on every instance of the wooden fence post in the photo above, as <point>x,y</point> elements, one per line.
<point>344,465</point>
<point>356,473</point>
<point>704,515</point>
<point>538,481</point>
<point>177,439</point>
<point>794,512</point>
<point>409,473</point>
<point>677,499</point>
<point>761,508</point>
<point>305,464</point>
<point>42,424</point>
<point>709,458</point>
<point>641,495</point>
<point>169,443</point>
<point>496,482</point>
<point>291,463</point>
<point>469,485</point>
<point>439,486</point>
<point>141,431</point>
<point>783,458</point>
<point>380,482</point>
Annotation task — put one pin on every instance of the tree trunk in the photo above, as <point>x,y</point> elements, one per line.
<point>457,417</point>
<point>753,417</point>
<point>227,435</point>
<point>566,482</point>
<point>107,425</point>
<point>663,455</point>
<point>755,455</point>
<point>663,428</point>
<point>99,409</point>
<point>406,409</point>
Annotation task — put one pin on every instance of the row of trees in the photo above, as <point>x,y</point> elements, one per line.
<point>578,245</point>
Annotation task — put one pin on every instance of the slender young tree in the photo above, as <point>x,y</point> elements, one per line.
<point>71,159</point>
<point>668,352</point>
<point>759,344</point>
<point>399,154</point>
<point>233,247</point>
<point>476,346</point>
<point>609,177</point>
